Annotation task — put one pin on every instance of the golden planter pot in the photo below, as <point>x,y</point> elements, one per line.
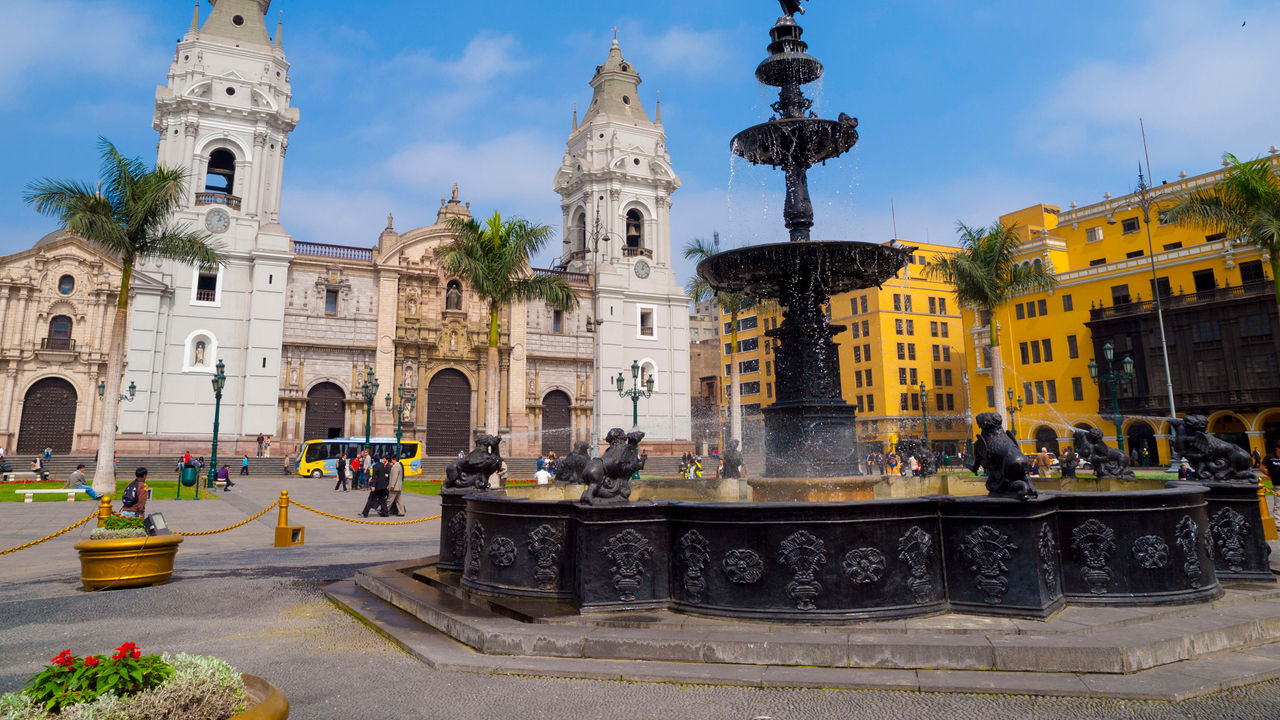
<point>127,562</point>
<point>266,702</point>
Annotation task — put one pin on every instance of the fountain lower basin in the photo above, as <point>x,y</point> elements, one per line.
<point>840,561</point>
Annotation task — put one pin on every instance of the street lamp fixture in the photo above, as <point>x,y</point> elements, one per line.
<point>133,391</point>
<point>219,382</point>
<point>924,413</point>
<point>406,404</point>
<point>370,390</point>
<point>1111,377</point>
<point>636,392</point>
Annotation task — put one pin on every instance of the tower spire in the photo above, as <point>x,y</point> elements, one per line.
<point>195,18</point>
<point>658,109</point>
<point>279,32</point>
<point>575,116</point>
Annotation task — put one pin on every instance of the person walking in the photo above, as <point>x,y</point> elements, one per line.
<point>244,465</point>
<point>261,438</point>
<point>1043,462</point>
<point>395,484</point>
<point>378,484</point>
<point>341,466</point>
<point>77,481</point>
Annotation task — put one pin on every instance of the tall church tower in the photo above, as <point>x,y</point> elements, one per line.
<point>615,186</point>
<point>225,118</point>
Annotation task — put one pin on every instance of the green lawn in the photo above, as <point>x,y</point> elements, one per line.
<point>160,490</point>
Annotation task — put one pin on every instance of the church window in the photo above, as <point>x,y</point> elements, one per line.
<point>453,296</point>
<point>579,232</point>
<point>635,229</point>
<point>330,302</point>
<point>231,91</point>
<point>221,177</point>
<point>646,322</point>
<point>59,333</point>
<point>626,100</point>
<point>557,321</point>
<point>238,20</point>
<point>66,285</point>
<point>206,287</point>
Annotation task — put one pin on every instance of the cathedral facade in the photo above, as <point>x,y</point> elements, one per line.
<point>302,328</point>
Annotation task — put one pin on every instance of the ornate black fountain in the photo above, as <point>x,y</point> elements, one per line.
<point>1012,552</point>
<point>809,429</point>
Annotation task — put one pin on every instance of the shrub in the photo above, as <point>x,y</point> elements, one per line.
<point>103,533</point>
<point>116,522</point>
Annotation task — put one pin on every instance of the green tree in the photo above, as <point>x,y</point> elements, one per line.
<point>494,260</point>
<point>128,216</point>
<point>986,275</point>
<point>1244,203</point>
<point>699,290</point>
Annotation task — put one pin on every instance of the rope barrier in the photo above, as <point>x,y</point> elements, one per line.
<point>363,522</point>
<point>242,523</point>
<point>63,531</point>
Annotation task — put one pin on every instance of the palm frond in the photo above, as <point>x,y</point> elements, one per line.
<point>550,289</point>
<point>187,246</point>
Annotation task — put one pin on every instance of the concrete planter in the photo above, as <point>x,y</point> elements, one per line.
<point>127,562</point>
<point>266,702</point>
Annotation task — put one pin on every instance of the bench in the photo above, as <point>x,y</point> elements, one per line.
<point>30,494</point>
<point>18,476</point>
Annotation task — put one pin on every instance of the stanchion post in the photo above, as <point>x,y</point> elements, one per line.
<point>104,509</point>
<point>286,535</point>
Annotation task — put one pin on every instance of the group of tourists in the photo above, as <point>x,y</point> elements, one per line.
<point>547,466</point>
<point>382,476</point>
<point>264,445</point>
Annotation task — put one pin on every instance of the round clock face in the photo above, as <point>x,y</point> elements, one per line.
<point>642,269</point>
<point>217,220</point>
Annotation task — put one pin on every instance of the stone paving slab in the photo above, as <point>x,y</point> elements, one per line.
<point>1174,682</point>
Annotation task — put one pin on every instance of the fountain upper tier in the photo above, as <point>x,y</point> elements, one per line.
<point>766,271</point>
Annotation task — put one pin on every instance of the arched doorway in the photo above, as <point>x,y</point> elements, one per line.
<point>1270,426</point>
<point>1047,438</point>
<point>557,428</point>
<point>326,412</point>
<point>1232,429</point>
<point>448,413</point>
<point>1141,436</point>
<point>48,417</point>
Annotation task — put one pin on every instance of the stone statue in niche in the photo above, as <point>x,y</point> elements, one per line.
<point>293,375</point>
<point>732,459</point>
<point>1211,459</point>
<point>608,477</point>
<point>472,471</point>
<point>199,359</point>
<point>996,451</point>
<point>411,305</point>
<point>453,297</point>
<point>409,376</point>
<point>572,465</point>
<point>1105,460</point>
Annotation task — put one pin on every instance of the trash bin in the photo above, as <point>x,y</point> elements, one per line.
<point>190,475</point>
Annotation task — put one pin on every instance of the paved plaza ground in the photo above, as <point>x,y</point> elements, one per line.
<point>261,608</point>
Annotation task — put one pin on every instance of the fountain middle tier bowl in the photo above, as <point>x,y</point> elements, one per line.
<point>762,271</point>
<point>803,141</point>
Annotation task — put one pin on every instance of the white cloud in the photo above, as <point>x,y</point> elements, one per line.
<point>337,217</point>
<point>685,50</point>
<point>60,40</point>
<point>1202,82</point>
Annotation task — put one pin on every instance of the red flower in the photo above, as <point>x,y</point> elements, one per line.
<point>137,654</point>
<point>64,659</point>
<point>91,661</point>
<point>125,650</point>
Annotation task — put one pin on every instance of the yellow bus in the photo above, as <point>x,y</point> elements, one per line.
<point>319,457</point>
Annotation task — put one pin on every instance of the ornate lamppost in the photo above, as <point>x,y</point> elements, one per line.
<point>219,382</point>
<point>924,413</point>
<point>1112,378</point>
<point>133,391</point>
<point>636,392</point>
<point>370,390</point>
<point>406,404</point>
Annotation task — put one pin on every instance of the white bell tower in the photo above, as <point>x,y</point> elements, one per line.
<point>615,184</point>
<point>224,117</point>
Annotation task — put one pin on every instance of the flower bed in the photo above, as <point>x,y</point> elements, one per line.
<point>131,686</point>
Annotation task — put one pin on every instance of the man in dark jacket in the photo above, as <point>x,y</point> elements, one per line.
<point>378,489</point>
<point>341,466</point>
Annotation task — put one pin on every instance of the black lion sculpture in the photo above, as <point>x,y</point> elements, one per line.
<point>1105,460</point>
<point>608,477</point>
<point>472,471</point>
<point>571,466</point>
<point>1211,459</point>
<point>997,452</point>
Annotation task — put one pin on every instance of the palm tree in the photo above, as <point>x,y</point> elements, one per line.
<point>986,275</point>
<point>128,217</point>
<point>1244,203</point>
<point>699,290</point>
<point>494,260</point>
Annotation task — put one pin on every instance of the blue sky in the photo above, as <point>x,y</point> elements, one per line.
<point>967,109</point>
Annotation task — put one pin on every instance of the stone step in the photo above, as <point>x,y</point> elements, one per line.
<point>1173,682</point>
<point>1129,649</point>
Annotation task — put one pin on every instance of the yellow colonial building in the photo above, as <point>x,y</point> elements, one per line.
<point>902,360</point>
<point>1219,317</point>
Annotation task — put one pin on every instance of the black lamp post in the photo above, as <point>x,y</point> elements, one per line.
<point>924,413</point>
<point>219,382</point>
<point>1112,378</point>
<point>405,405</point>
<point>133,391</point>
<point>636,392</point>
<point>370,389</point>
